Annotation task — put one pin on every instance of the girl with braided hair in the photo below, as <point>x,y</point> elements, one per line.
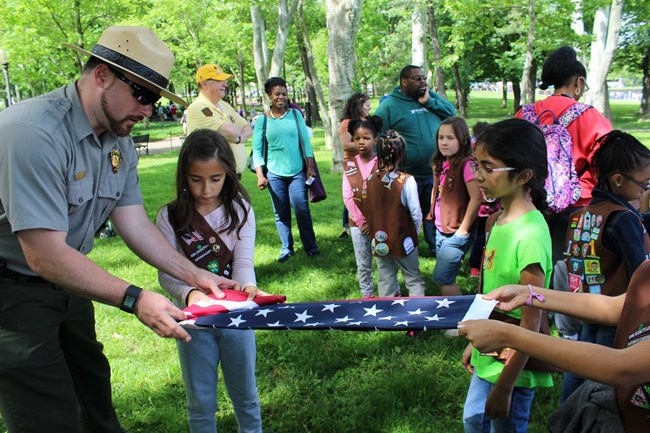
<point>391,206</point>
<point>606,240</point>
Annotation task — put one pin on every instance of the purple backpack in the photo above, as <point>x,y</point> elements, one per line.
<point>563,183</point>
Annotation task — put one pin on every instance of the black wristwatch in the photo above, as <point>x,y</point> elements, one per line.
<point>130,298</point>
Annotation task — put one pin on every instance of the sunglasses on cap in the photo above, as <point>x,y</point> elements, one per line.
<point>143,95</point>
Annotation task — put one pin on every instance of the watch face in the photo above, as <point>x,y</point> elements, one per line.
<point>129,302</point>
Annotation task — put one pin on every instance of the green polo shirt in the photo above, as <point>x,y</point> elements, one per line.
<point>56,173</point>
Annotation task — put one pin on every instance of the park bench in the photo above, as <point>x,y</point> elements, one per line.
<point>141,142</point>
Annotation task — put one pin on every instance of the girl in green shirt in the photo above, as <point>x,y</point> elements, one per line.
<point>511,166</point>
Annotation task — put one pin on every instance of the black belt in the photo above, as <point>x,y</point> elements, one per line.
<point>17,276</point>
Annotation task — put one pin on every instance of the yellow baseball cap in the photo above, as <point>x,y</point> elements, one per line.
<point>211,72</point>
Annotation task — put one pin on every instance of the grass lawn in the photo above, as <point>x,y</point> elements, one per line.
<point>309,381</point>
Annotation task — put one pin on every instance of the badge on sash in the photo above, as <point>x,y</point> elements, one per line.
<point>599,220</point>
<point>381,236</point>
<point>640,397</point>
<point>576,234</point>
<point>381,249</point>
<point>213,266</point>
<point>575,283</point>
<point>587,224</point>
<point>594,289</point>
<point>592,267</point>
<point>408,245</point>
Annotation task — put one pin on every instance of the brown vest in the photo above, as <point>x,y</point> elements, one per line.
<point>391,226</point>
<point>353,173</point>
<point>454,197</point>
<point>592,267</point>
<point>204,247</point>
<point>634,326</point>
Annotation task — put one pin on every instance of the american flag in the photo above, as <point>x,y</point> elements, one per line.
<point>375,314</point>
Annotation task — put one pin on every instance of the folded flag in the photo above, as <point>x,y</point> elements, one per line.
<point>234,300</point>
<point>378,314</point>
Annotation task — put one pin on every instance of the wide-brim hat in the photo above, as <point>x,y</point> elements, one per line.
<point>137,50</point>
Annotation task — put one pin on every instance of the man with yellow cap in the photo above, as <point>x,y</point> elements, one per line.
<point>67,163</point>
<point>209,110</point>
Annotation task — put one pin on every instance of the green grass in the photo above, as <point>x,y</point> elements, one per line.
<point>309,381</point>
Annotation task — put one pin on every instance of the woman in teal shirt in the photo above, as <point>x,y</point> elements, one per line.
<point>284,171</point>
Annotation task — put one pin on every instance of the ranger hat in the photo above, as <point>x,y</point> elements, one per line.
<point>211,72</point>
<point>137,50</point>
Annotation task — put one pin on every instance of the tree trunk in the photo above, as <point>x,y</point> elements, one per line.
<point>240,79</point>
<point>311,108</point>
<point>327,127</point>
<point>516,95</point>
<point>461,102</point>
<point>343,18</point>
<point>528,85</point>
<point>504,92</point>
<point>437,55</point>
<point>284,19</point>
<point>607,26</point>
<point>644,110</point>
<point>260,53</point>
<point>418,39</point>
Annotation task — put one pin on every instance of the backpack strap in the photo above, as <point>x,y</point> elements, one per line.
<point>528,113</point>
<point>573,113</point>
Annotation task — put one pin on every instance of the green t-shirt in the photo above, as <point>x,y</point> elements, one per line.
<point>509,249</point>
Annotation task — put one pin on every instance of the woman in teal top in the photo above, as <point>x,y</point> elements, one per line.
<point>284,171</point>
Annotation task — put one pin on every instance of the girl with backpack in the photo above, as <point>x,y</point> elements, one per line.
<point>568,77</point>
<point>606,240</point>
<point>455,201</point>
<point>511,166</point>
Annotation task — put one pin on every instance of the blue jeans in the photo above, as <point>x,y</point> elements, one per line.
<point>287,193</point>
<point>450,250</point>
<point>590,333</point>
<point>474,419</point>
<point>425,186</point>
<point>235,350</point>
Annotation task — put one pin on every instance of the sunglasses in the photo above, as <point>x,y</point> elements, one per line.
<point>143,95</point>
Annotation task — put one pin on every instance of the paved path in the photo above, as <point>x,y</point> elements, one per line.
<point>166,145</point>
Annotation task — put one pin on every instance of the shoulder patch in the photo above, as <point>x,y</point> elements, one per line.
<point>207,111</point>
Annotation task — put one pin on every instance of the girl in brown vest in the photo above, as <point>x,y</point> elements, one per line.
<point>455,201</point>
<point>606,240</point>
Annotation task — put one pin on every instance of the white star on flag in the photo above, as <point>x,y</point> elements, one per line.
<point>263,312</point>
<point>330,307</point>
<point>416,312</point>
<point>433,318</point>
<point>343,319</point>
<point>444,303</point>
<point>302,317</point>
<point>236,321</point>
<point>372,311</point>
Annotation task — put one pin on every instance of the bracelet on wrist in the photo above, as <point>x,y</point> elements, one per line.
<point>533,294</point>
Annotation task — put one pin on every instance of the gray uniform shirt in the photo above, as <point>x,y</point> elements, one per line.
<point>56,173</point>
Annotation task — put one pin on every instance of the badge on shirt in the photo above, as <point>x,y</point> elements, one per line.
<point>640,397</point>
<point>116,159</point>
<point>207,112</point>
